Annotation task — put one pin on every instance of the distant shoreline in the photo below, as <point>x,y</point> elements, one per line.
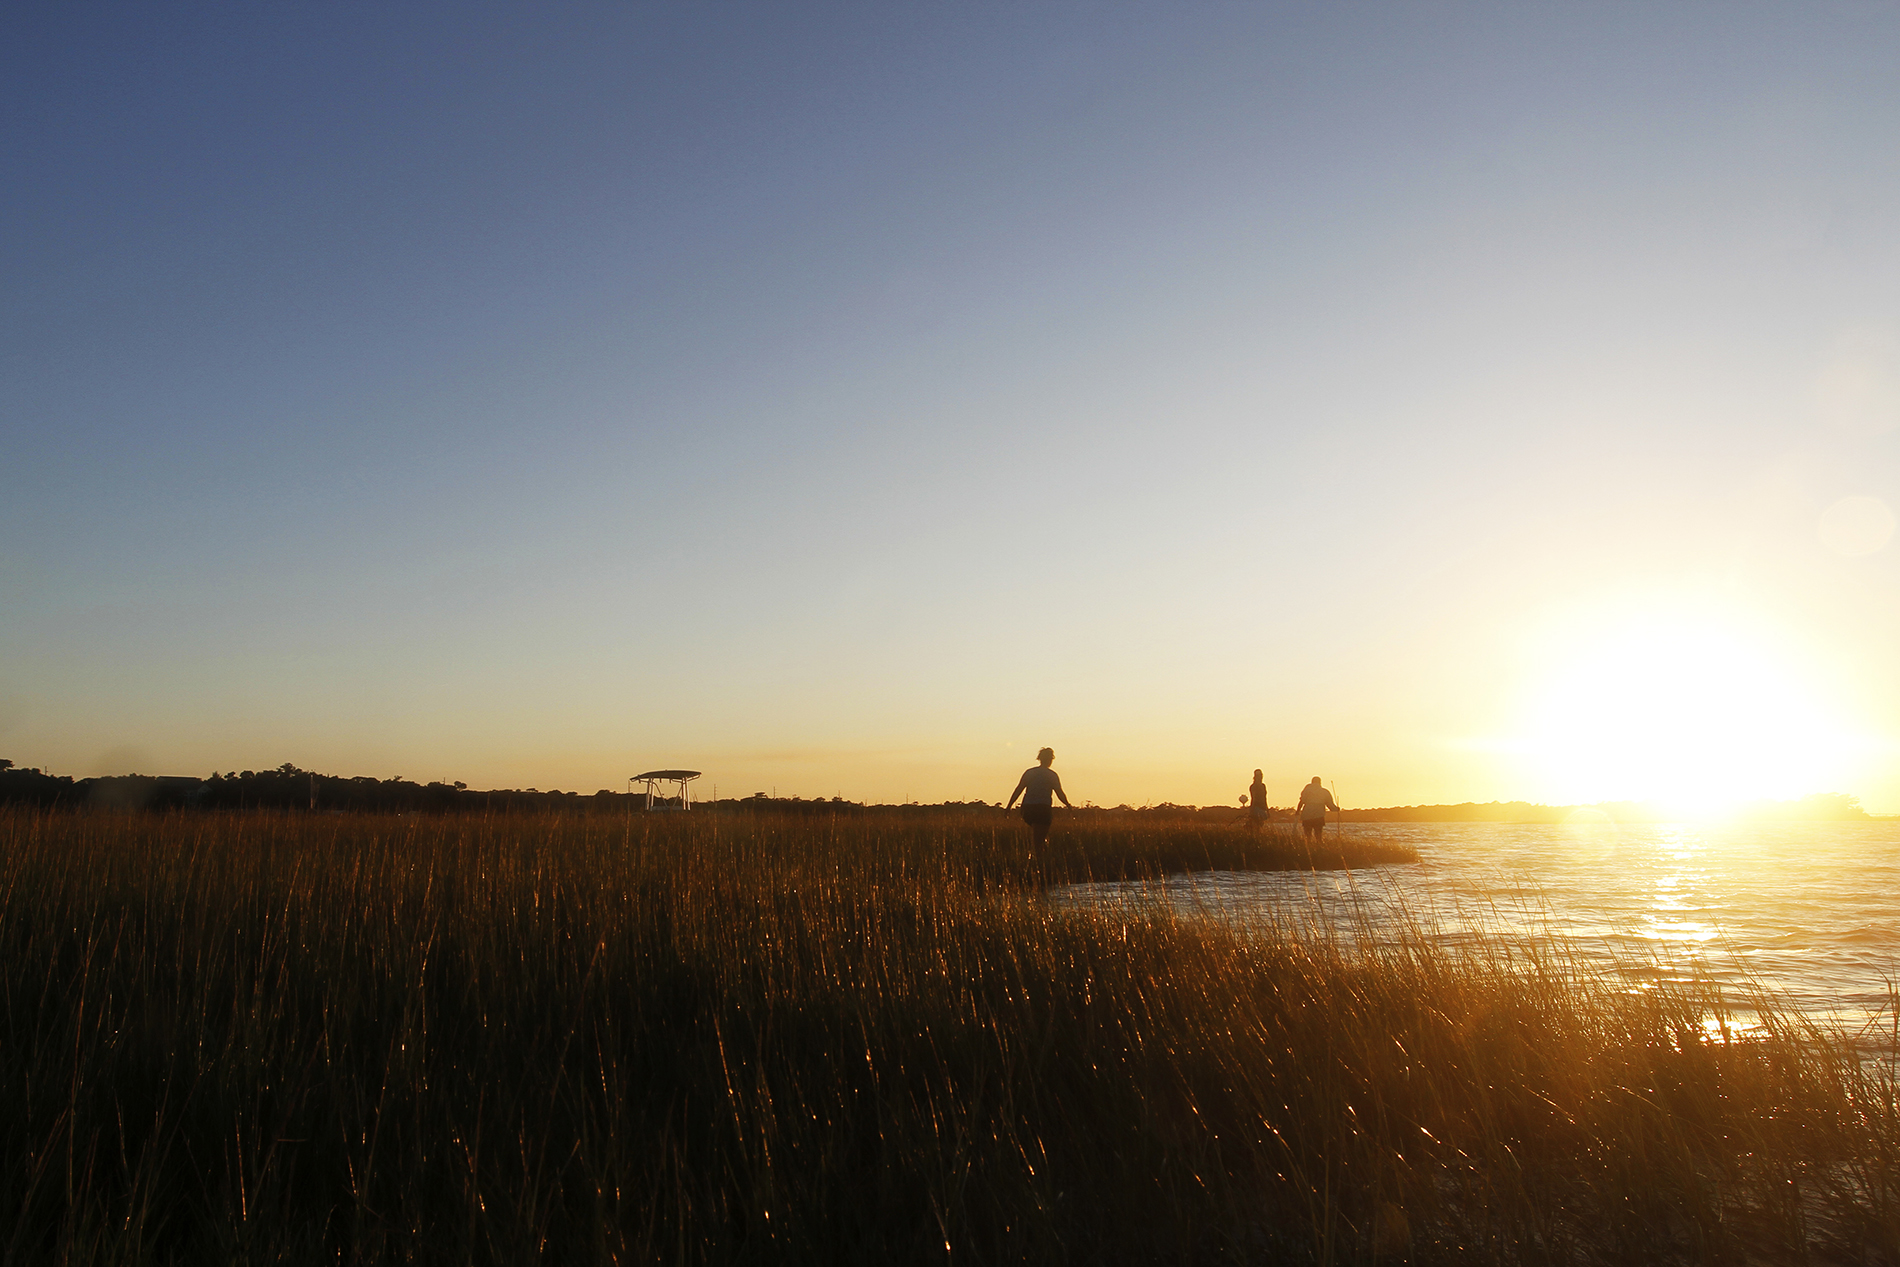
<point>1824,807</point>
<point>290,788</point>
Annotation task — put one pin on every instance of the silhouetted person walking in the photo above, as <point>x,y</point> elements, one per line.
<point>1315,800</point>
<point>1038,784</point>
<point>1257,806</point>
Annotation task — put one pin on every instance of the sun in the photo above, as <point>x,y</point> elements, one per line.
<point>1697,711</point>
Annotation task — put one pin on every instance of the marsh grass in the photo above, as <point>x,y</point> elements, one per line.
<point>255,1038</point>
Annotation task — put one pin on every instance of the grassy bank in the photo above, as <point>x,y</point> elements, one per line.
<point>252,1038</point>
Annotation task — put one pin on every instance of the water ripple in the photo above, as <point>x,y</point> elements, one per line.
<point>1806,910</point>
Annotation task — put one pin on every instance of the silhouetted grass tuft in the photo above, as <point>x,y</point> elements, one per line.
<point>256,1038</point>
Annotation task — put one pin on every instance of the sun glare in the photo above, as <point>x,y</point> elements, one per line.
<point>1694,712</point>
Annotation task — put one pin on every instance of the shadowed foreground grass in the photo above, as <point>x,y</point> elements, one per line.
<point>252,1038</point>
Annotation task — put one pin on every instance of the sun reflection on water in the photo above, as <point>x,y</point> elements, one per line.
<point>1803,911</point>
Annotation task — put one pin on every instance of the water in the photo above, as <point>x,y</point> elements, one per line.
<point>1808,911</point>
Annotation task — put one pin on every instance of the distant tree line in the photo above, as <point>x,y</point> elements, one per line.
<point>293,789</point>
<point>290,788</point>
<point>285,788</point>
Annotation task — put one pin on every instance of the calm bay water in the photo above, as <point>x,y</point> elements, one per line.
<point>1808,911</point>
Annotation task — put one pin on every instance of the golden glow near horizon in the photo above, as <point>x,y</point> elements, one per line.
<point>1694,709</point>
<point>705,392</point>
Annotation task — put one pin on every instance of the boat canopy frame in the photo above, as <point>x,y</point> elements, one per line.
<point>653,779</point>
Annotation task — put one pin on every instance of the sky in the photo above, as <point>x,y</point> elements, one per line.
<point>1456,402</point>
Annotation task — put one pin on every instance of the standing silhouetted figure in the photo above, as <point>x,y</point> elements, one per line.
<point>1257,802</point>
<point>1315,800</point>
<point>1038,784</point>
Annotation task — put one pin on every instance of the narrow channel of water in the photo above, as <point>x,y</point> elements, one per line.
<point>1808,911</point>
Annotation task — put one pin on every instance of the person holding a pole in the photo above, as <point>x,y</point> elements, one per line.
<point>1257,802</point>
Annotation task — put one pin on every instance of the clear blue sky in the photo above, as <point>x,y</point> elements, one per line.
<point>855,399</point>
